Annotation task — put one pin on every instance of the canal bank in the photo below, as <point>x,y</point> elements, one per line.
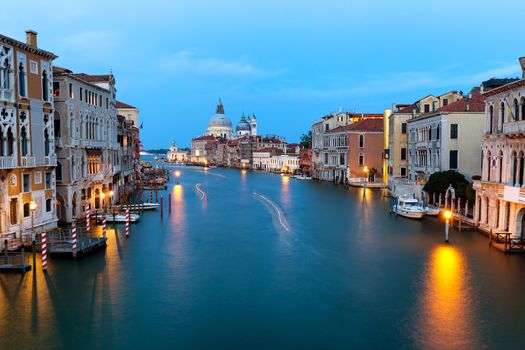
<point>223,272</point>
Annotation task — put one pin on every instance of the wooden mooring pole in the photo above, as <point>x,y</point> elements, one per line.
<point>161,206</point>
<point>169,203</point>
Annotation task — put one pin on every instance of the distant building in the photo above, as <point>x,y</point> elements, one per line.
<point>365,149</point>
<point>203,149</point>
<point>247,126</point>
<point>175,155</point>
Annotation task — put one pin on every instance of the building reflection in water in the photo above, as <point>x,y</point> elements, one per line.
<point>444,315</point>
<point>178,217</point>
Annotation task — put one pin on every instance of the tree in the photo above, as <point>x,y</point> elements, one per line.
<point>306,140</point>
<point>439,182</point>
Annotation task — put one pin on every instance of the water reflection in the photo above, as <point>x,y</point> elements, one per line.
<point>178,216</point>
<point>445,309</point>
<point>285,190</point>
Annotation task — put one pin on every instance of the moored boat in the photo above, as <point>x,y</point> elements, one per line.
<point>133,217</point>
<point>141,206</point>
<point>409,208</point>
<point>432,211</point>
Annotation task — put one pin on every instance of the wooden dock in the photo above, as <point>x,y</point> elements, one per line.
<point>14,262</point>
<point>60,244</point>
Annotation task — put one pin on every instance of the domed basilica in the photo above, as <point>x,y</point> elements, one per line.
<point>220,125</point>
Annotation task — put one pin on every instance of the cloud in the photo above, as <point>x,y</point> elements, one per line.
<point>190,61</point>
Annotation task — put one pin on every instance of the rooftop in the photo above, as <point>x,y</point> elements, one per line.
<point>124,105</point>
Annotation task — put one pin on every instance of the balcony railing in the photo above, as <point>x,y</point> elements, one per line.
<point>6,95</point>
<point>51,160</point>
<point>28,161</point>
<point>7,162</point>
<point>514,127</point>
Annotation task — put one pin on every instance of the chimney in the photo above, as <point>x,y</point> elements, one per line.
<point>31,37</point>
<point>522,63</point>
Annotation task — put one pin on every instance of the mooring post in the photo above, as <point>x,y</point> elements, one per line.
<point>151,195</point>
<point>44,252</point>
<point>169,203</point>
<point>34,252</point>
<point>127,222</point>
<point>490,237</point>
<point>88,217</point>
<point>5,250</point>
<point>161,206</point>
<point>104,226</point>
<point>74,236</point>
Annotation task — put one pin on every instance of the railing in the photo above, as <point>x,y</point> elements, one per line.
<point>7,162</point>
<point>28,161</point>
<point>6,95</point>
<point>517,243</point>
<point>15,259</point>
<point>51,160</point>
<point>514,127</point>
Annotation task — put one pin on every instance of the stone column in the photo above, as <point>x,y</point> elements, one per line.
<point>512,221</point>
<point>476,210</point>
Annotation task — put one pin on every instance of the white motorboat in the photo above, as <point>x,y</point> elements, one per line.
<point>409,208</point>
<point>142,206</point>
<point>302,177</point>
<point>432,211</point>
<point>118,217</point>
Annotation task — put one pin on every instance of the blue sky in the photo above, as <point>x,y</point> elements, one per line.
<point>289,62</point>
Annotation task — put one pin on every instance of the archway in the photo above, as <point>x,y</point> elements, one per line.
<point>520,224</point>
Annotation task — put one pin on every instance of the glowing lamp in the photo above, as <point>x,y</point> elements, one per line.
<point>447,214</point>
<point>32,205</point>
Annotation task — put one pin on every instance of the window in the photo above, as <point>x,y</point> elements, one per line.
<point>71,93</point>
<point>445,101</point>
<point>427,108</point>
<point>453,159</point>
<point>48,205</point>
<point>27,212</point>
<point>38,177</point>
<point>361,141</point>
<point>361,159</point>
<point>403,153</point>
<point>403,128</point>
<point>21,80</point>
<point>48,180</point>
<point>453,131</point>
<point>437,132</point>
<point>403,171</point>
<point>107,102</point>
<point>326,158</point>
<point>24,140</point>
<point>326,127</point>
<point>45,84</point>
<point>56,89</point>
<point>26,183</point>
<point>13,211</point>
<point>341,159</point>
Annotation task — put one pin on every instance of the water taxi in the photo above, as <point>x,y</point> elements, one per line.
<point>409,208</point>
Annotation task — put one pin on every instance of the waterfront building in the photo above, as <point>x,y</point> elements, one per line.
<point>220,125</point>
<point>397,152</point>
<point>330,145</point>
<point>27,147</point>
<point>203,149</point>
<point>500,194</point>
<point>92,143</point>
<point>175,155</point>
<point>129,112</point>
<point>126,168</point>
<point>447,139</point>
<point>262,158</point>
<point>365,149</point>
<point>305,161</point>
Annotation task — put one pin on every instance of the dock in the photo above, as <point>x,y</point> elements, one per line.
<point>15,262</point>
<point>60,244</point>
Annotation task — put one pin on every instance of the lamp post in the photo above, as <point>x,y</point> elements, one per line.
<point>447,214</point>
<point>177,175</point>
<point>32,208</point>
<point>111,198</point>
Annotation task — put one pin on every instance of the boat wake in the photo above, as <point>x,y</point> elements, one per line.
<point>274,210</point>
<point>214,174</point>
<point>201,193</point>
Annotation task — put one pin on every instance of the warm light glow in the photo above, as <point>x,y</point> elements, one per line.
<point>243,164</point>
<point>32,205</point>
<point>103,195</point>
<point>177,173</point>
<point>447,214</point>
<point>365,169</point>
<point>243,171</point>
<point>111,193</point>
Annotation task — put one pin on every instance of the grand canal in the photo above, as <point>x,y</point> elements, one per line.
<point>268,262</point>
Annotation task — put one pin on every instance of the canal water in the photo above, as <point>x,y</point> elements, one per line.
<point>269,262</point>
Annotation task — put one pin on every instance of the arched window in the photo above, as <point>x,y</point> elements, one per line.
<point>47,147</point>
<point>27,212</point>
<point>10,142</point>
<point>502,116</point>
<point>45,86</point>
<point>361,141</point>
<point>491,119</point>
<point>430,133</point>
<point>56,123</point>
<point>4,75</point>
<point>522,103</point>
<point>516,110</point>
<point>58,171</point>
<point>488,166</point>
<point>23,141</point>
<point>500,166</point>
<point>21,80</point>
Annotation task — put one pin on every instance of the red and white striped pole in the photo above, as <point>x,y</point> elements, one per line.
<point>44,252</point>
<point>104,225</point>
<point>88,229</point>
<point>74,237</point>
<point>127,222</point>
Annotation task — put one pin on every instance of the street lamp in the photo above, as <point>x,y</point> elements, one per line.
<point>447,214</point>
<point>366,173</point>
<point>32,208</point>
<point>177,174</point>
<point>103,196</point>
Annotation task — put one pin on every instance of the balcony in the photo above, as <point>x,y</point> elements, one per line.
<point>515,127</point>
<point>51,160</point>
<point>7,162</point>
<point>28,161</point>
<point>7,95</point>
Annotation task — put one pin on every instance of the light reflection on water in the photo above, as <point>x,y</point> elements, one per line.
<point>445,315</point>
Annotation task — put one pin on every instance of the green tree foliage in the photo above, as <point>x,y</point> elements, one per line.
<point>306,140</point>
<point>439,182</point>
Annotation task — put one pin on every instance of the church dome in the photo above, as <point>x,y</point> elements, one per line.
<point>243,125</point>
<point>219,119</point>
